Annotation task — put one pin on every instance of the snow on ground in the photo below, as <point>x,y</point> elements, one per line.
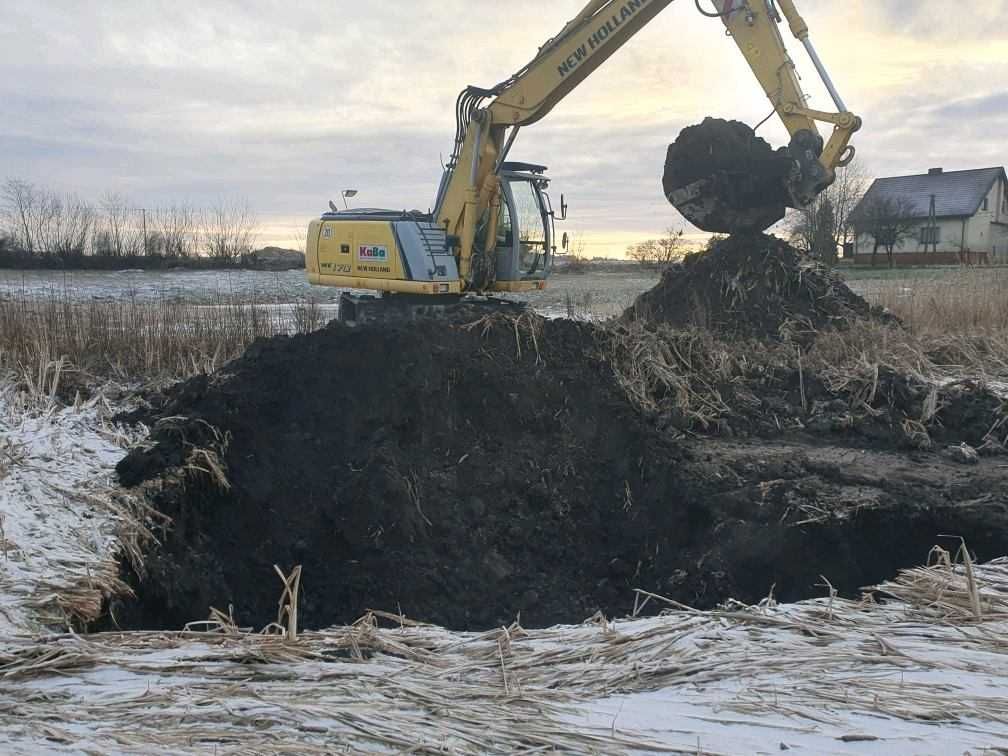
<point>923,673</point>
<point>58,524</point>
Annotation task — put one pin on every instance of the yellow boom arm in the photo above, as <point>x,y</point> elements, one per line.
<point>489,119</point>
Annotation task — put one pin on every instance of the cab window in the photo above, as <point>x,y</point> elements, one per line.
<point>531,225</point>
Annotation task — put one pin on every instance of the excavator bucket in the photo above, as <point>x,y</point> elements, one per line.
<point>725,179</point>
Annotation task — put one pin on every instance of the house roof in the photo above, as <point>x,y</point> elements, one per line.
<point>957,193</point>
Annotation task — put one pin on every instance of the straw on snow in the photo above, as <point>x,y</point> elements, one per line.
<point>63,525</point>
<point>425,689</point>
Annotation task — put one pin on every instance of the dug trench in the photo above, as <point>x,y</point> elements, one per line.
<point>473,470</point>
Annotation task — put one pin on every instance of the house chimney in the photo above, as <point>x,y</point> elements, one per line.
<point>935,171</point>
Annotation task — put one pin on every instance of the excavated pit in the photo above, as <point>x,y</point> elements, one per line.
<point>467,471</point>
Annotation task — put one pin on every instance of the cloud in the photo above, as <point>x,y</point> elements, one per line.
<point>286,105</point>
<point>931,19</point>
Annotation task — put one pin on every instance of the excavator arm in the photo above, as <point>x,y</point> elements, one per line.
<point>489,121</point>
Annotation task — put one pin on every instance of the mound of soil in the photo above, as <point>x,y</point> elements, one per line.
<point>452,471</point>
<point>463,473</point>
<point>751,286</point>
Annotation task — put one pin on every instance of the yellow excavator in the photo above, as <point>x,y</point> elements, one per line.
<point>492,227</point>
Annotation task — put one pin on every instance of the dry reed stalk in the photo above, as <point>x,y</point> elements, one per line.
<point>966,302</point>
<point>287,614</point>
<point>129,337</point>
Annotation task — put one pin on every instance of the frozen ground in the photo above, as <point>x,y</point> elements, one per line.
<point>599,293</point>
<point>191,286</point>
<point>59,527</point>
<point>926,673</point>
<point>917,675</point>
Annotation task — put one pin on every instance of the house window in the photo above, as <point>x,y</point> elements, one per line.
<point>985,203</point>
<point>930,235</point>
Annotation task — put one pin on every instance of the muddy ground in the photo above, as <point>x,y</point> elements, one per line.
<point>467,471</point>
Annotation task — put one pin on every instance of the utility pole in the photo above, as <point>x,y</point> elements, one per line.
<point>932,227</point>
<point>143,210</point>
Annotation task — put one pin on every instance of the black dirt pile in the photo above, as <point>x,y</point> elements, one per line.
<point>752,286</point>
<point>463,473</point>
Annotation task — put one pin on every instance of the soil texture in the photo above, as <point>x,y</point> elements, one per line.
<point>752,286</point>
<point>467,471</point>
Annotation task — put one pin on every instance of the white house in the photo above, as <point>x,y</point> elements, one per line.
<point>970,217</point>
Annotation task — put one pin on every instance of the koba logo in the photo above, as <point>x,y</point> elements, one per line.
<point>373,253</point>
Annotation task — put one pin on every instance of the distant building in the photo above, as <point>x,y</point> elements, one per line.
<point>968,221</point>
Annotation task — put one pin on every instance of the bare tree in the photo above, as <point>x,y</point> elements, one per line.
<point>65,225</point>
<point>177,229</point>
<point>576,257</point>
<point>825,224</point>
<point>119,234</point>
<point>228,231</point>
<point>660,252</point>
<point>20,205</point>
<point>888,220</point>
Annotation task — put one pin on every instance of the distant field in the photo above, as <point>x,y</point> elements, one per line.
<point>949,297</point>
<point>931,272</point>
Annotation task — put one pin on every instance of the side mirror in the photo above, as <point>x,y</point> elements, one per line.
<point>565,241</point>
<point>563,208</point>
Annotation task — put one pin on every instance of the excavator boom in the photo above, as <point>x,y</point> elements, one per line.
<point>717,184</point>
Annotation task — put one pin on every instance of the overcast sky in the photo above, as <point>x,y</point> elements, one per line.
<point>287,103</point>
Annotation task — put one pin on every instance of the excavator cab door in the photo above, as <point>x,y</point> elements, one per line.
<point>524,250</point>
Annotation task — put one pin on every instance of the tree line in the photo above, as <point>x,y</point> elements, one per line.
<point>37,223</point>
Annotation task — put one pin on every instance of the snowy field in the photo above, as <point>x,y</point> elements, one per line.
<point>592,295</point>
<point>919,675</point>
<point>188,285</point>
<point>923,673</point>
<point>603,293</point>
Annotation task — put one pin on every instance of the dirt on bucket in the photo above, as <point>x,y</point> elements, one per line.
<point>469,471</point>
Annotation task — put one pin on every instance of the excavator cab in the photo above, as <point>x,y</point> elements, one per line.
<point>523,254</point>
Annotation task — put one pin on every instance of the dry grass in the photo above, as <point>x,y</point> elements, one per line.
<point>696,380</point>
<point>131,338</point>
<point>968,302</point>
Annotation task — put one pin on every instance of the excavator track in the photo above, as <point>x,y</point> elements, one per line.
<point>359,309</point>
<point>725,179</point>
